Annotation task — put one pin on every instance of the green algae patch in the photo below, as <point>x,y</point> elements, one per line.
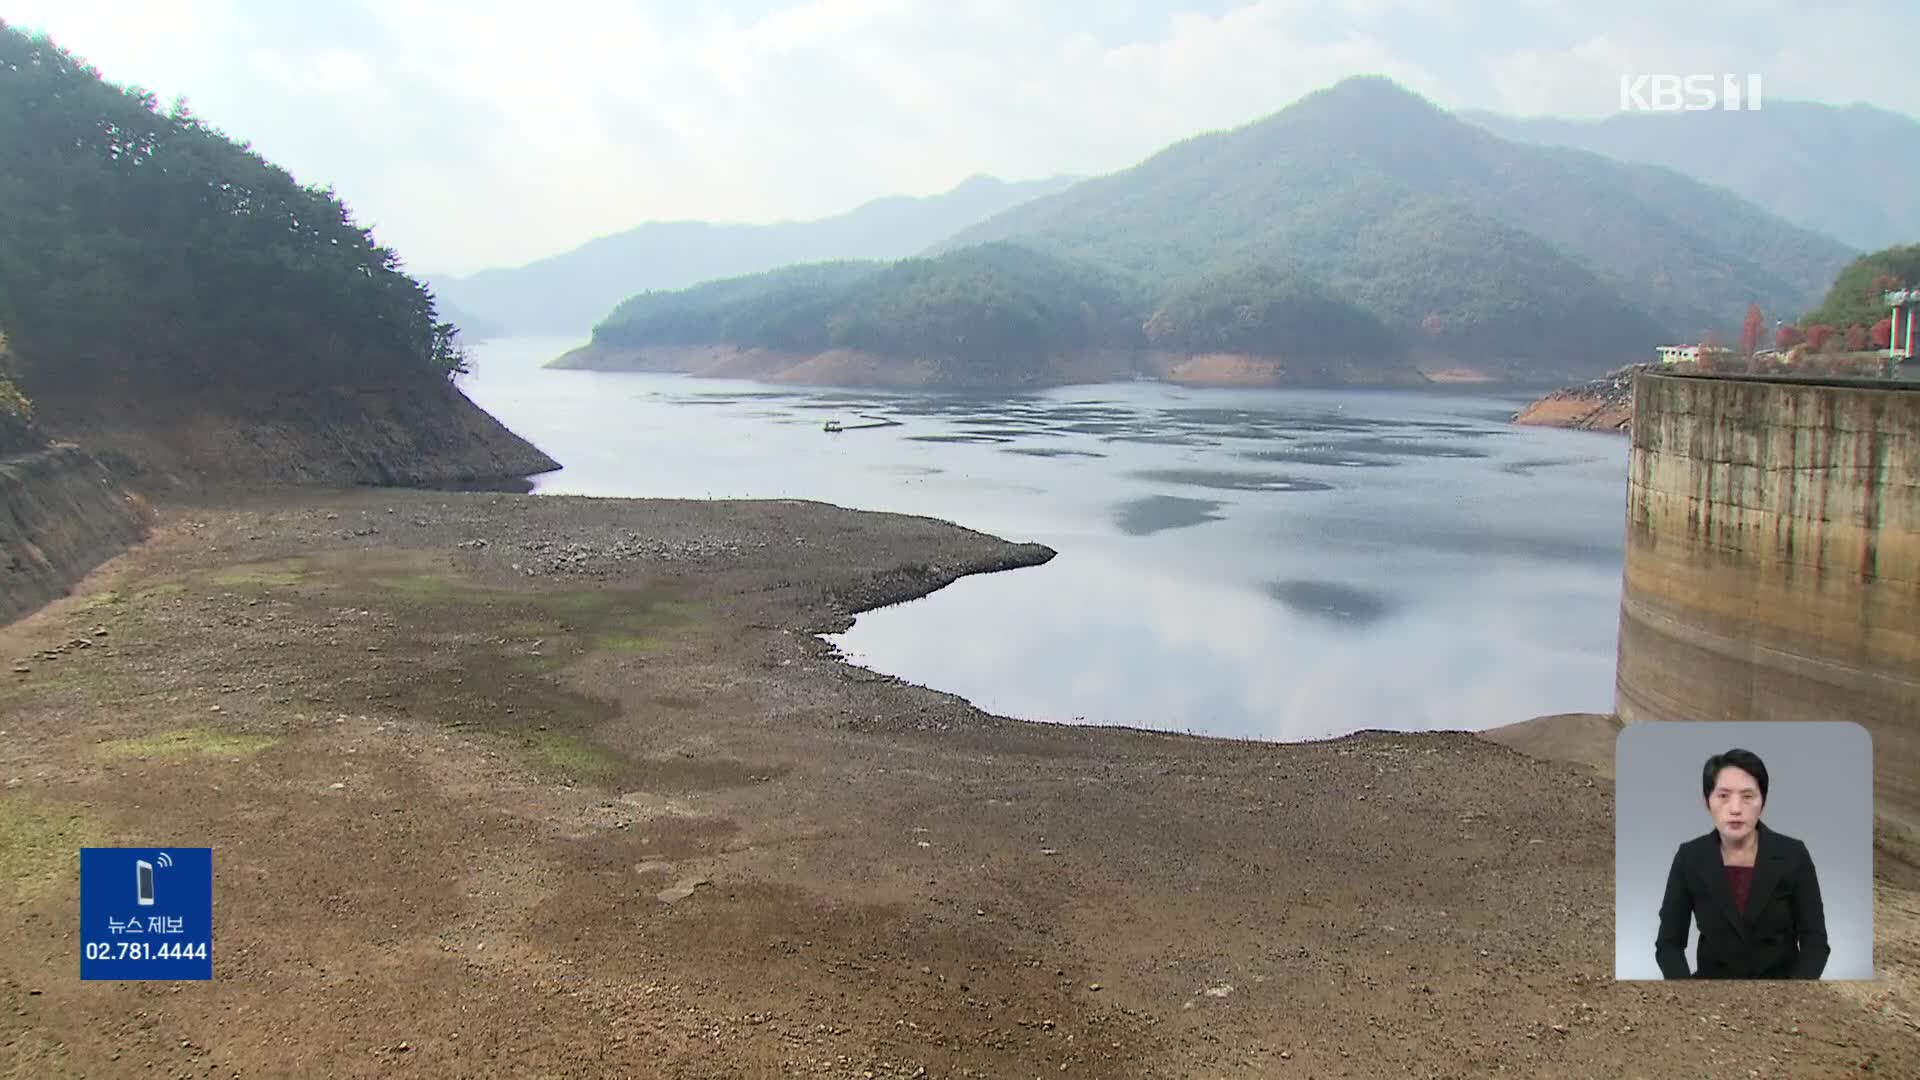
<point>624,641</point>
<point>571,754</point>
<point>428,587</point>
<point>583,603</point>
<point>639,627</point>
<point>540,632</point>
<point>40,844</point>
<point>278,573</point>
<point>189,743</point>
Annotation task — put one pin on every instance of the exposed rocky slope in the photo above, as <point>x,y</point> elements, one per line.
<point>416,434</point>
<point>66,508</point>
<point>1605,404</point>
<point>61,515</point>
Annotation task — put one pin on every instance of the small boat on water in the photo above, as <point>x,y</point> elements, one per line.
<point>872,422</point>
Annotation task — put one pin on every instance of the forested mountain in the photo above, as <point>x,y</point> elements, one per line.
<point>1263,309</point>
<point>786,308</point>
<point>16,412</point>
<point>1361,224</point>
<point>1842,171</point>
<point>995,307</point>
<point>1447,233</point>
<point>570,292</point>
<point>141,248</point>
<point>1840,337</point>
<point>1858,295</point>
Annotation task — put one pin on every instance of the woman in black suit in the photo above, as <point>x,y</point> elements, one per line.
<point>1752,890</point>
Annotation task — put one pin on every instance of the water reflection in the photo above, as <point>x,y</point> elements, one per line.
<point>1051,451</point>
<point>1332,601</point>
<point>1430,566</point>
<point>1526,468</point>
<point>1180,653</point>
<point>961,438</point>
<point>1158,440</point>
<point>1408,448</point>
<point>1231,481</point>
<point>1158,513</point>
<point>1318,455</point>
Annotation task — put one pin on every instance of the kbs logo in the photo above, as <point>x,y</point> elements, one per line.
<point>1689,93</point>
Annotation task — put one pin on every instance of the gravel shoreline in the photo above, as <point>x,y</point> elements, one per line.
<point>1603,404</point>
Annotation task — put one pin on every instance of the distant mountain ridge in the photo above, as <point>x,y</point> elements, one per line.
<point>570,292</point>
<point>1360,236</point>
<point>1431,222</point>
<point>473,328</point>
<point>1845,171</point>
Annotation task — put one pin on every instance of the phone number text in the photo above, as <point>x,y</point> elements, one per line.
<point>146,950</point>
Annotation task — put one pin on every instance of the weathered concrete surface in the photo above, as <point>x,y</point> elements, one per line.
<point>1773,561</point>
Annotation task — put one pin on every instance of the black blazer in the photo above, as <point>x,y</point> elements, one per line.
<point>1782,934</point>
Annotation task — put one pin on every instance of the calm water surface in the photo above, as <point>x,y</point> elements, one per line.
<point>1258,564</point>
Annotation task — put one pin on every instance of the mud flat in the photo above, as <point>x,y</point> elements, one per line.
<point>536,786</point>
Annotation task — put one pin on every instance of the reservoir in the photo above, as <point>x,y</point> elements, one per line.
<point>1263,564</point>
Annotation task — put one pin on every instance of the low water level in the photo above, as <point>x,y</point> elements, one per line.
<point>1259,564</point>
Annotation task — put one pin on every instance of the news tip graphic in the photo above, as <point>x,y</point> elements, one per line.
<point>146,913</point>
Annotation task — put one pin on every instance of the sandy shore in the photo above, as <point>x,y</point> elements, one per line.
<point>515,786</point>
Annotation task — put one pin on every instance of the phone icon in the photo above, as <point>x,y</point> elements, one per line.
<point>144,871</point>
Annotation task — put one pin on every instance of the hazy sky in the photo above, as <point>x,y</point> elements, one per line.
<point>473,133</point>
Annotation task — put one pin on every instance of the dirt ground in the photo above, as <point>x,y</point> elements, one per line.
<point>512,786</point>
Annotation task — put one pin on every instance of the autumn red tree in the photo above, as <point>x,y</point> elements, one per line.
<point>1856,338</point>
<point>1817,336</point>
<point>1787,337</point>
<point>1751,331</point>
<point>1881,333</point>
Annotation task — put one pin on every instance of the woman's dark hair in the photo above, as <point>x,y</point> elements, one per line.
<point>1745,760</point>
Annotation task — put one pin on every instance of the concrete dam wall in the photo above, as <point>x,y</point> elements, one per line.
<point>1773,561</point>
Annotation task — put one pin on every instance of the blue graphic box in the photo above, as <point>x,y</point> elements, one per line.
<point>146,913</point>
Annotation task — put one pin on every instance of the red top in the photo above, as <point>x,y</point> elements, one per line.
<point>1739,879</point>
